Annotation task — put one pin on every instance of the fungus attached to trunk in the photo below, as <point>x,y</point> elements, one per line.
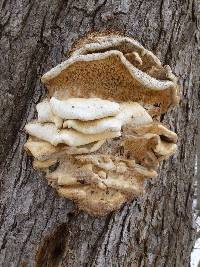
<point>95,136</point>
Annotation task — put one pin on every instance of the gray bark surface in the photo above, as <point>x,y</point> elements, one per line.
<point>39,228</point>
<point>198,171</point>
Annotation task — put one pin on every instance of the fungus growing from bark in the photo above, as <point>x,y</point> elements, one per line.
<point>96,136</point>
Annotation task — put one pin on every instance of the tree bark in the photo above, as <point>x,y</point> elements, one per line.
<point>198,171</point>
<point>39,228</point>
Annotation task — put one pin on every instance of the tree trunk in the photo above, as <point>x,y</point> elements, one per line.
<point>39,228</point>
<point>198,171</point>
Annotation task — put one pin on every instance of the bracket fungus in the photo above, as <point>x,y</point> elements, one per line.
<point>98,136</point>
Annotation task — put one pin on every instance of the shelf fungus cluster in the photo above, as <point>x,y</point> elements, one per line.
<point>98,134</point>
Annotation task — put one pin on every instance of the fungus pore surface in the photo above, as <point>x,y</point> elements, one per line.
<point>98,135</point>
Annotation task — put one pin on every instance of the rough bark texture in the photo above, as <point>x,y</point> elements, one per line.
<point>197,174</point>
<point>38,228</point>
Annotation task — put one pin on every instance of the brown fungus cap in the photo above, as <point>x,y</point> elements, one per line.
<point>116,68</point>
